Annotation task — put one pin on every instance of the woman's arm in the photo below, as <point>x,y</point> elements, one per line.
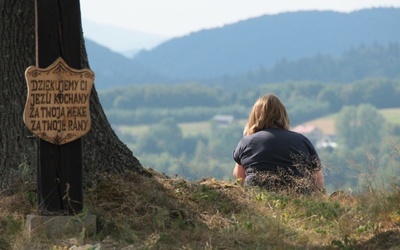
<point>317,179</point>
<point>239,173</point>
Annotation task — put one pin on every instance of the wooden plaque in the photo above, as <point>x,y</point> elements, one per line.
<point>57,105</point>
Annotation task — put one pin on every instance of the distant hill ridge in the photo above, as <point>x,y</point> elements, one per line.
<point>250,44</point>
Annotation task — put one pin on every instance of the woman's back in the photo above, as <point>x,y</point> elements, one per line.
<point>271,148</point>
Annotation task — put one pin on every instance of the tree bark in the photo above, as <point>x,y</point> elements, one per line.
<point>103,152</point>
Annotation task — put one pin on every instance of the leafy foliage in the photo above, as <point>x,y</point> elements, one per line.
<point>360,126</point>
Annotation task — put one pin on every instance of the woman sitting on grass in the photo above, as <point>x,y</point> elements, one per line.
<point>271,156</point>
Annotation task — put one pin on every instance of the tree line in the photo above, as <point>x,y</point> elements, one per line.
<point>148,104</point>
<point>367,155</point>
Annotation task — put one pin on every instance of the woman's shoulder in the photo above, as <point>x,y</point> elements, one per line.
<point>299,136</point>
<point>288,134</point>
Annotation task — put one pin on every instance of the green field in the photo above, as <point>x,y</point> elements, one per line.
<point>326,124</point>
<point>391,115</point>
<point>188,128</point>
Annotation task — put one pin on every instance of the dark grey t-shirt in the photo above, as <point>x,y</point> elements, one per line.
<point>271,148</point>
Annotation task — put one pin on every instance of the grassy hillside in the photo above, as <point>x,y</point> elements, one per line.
<point>158,212</point>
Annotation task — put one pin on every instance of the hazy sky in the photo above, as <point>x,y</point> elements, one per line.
<point>173,18</point>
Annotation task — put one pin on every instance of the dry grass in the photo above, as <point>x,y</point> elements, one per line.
<point>158,212</point>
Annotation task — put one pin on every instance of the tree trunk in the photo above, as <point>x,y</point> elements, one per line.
<point>102,150</point>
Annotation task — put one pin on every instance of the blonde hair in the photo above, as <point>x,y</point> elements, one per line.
<point>267,112</point>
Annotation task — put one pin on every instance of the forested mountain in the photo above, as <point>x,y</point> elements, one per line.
<point>354,64</point>
<point>112,69</point>
<point>119,39</point>
<point>320,43</point>
<point>263,41</point>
